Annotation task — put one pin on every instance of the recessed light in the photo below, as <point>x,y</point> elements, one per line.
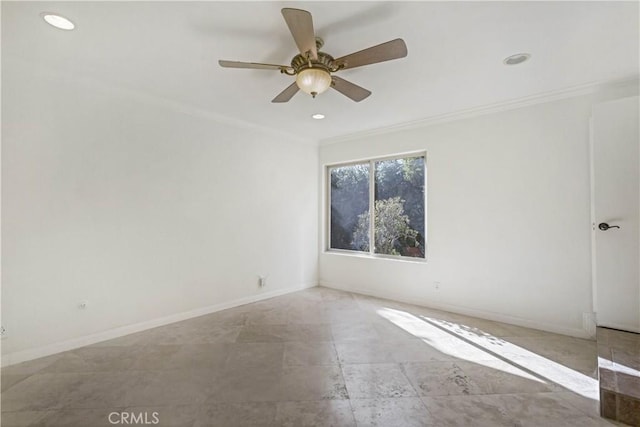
<point>318,116</point>
<point>58,21</point>
<point>516,59</point>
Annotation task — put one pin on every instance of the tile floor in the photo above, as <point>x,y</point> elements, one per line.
<point>619,365</point>
<point>319,357</point>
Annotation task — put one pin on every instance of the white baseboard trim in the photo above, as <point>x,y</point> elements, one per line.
<point>482,314</point>
<point>47,350</point>
<point>621,327</point>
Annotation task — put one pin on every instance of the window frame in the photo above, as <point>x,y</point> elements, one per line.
<point>371,254</point>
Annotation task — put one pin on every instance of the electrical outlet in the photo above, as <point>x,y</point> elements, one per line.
<point>3,332</point>
<point>436,285</point>
<point>262,282</point>
<point>82,305</point>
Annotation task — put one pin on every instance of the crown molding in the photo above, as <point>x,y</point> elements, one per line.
<point>512,104</point>
<point>87,80</point>
<point>207,115</point>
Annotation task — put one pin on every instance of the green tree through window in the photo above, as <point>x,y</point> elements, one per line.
<point>398,204</point>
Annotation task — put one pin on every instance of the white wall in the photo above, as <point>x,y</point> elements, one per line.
<point>141,209</point>
<point>508,217</point>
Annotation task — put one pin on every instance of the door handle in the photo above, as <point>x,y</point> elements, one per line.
<point>604,226</point>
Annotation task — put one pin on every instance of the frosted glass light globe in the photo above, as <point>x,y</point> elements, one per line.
<point>313,81</point>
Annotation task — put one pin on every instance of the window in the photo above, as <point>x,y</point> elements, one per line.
<point>393,191</point>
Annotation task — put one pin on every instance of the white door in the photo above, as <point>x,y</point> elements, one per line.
<point>616,203</point>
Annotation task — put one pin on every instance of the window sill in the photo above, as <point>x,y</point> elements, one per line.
<point>338,252</point>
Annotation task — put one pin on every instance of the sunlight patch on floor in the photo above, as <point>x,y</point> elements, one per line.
<point>618,367</point>
<point>475,345</point>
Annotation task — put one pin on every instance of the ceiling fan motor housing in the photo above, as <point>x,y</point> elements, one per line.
<point>324,61</point>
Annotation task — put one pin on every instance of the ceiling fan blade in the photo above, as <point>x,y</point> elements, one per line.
<point>300,24</point>
<point>254,65</point>
<point>349,89</point>
<point>286,94</point>
<point>393,49</point>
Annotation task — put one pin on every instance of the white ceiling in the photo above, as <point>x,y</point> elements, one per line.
<point>170,50</point>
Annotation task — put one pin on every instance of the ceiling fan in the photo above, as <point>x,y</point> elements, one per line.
<point>314,69</point>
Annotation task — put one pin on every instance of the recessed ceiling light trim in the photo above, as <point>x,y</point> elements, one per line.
<point>516,59</point>
<point>58,21</point>
<point>317,116</point>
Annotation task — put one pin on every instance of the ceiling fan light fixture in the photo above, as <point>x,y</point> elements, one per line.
<point>313,81</point>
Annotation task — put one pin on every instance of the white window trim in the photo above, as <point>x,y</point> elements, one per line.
<point>371,254</point>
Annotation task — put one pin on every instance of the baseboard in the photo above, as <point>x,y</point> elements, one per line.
<point>47,350</point>
<point>621,327</point>
<point>467,311</point>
